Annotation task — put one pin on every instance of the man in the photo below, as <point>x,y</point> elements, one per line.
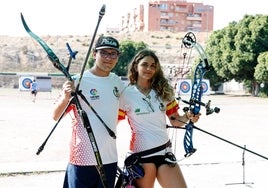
<point>102,90</point>
<point>33,89</point>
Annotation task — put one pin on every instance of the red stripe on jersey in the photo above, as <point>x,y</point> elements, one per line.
<point>121,115</point>
<point>172,107</point>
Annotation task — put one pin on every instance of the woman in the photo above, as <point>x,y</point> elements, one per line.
<point>146,102</point>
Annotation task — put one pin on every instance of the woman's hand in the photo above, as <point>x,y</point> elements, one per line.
<point>193,117</point>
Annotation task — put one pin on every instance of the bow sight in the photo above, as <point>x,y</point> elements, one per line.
<point>209,110</point>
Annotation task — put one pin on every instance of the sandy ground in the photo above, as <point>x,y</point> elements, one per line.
<point>242,122</point>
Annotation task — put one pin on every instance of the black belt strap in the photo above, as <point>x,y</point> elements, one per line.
<point>154,150</point>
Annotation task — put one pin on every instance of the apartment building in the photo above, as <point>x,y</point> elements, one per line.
<point>169,15</point>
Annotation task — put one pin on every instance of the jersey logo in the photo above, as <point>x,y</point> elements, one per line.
<point>94,94</point>
<point>116,92</point>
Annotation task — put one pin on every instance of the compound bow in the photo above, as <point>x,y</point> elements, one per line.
<point>195,103</point>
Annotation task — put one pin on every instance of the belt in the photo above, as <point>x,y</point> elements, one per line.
<point>154,150</point>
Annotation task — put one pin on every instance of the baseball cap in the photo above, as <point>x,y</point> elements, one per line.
<point>107,42</point>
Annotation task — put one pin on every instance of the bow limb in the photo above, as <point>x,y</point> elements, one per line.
<point>51,55</point>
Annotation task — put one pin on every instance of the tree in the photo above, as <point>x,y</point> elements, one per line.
<point>219,47</point>
<point>128,50</point>
<point>234,50</point>
<point>261,73</point>
<point>261,70</point>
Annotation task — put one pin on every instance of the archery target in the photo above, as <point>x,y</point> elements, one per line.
<point>184,87</point>
<point>25,82</point>
<point>206,86</point>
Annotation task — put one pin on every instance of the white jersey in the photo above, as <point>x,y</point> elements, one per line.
<point>147,118</point>
<point>102,93</point>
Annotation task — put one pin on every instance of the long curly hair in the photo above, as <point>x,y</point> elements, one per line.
<point>158,83</point>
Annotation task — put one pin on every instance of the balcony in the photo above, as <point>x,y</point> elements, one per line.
<point>164,17</point>
<point>194,17</point>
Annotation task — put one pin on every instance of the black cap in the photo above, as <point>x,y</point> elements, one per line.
<point>107,42</point>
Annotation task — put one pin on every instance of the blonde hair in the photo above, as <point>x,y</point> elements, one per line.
<point>159,83</point>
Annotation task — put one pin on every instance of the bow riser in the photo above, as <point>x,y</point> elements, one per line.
<point>197,89</point>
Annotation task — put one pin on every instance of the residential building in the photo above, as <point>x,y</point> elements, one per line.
<point>169,15</point>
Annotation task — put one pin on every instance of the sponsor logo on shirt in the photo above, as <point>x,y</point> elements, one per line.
<point>94,94</point>
<point>138,112</point>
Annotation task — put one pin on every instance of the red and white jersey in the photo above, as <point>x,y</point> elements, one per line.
<point>103,94</point>
<point>147,118</point>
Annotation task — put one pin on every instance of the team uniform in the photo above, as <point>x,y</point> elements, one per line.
<point>147,119</point>
<point>100,92</point>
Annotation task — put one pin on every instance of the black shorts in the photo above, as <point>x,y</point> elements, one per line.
<point>157,160</point>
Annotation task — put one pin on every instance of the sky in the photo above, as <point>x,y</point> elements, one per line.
<point>80,17</point>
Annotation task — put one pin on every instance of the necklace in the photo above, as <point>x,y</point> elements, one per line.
<point>144,91</point>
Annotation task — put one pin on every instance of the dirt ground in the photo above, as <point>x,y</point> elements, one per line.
<point>220,159</point>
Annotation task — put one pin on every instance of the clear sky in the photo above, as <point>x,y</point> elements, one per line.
<point>79,17</point>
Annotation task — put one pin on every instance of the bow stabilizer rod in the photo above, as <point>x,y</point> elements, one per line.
<point>101,13</point>
<point>220,138</point>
